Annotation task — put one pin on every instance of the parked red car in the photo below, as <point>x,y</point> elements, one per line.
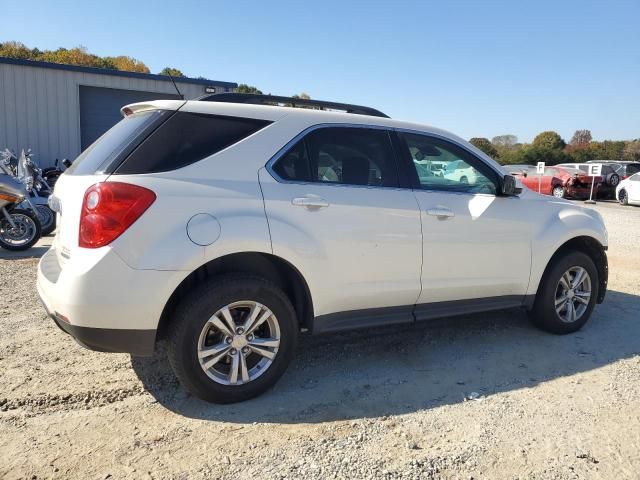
<point>558,181</point>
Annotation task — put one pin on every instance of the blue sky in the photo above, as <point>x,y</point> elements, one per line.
<point>477,68</point>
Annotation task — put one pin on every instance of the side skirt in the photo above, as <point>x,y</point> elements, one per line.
<point>374,317</point>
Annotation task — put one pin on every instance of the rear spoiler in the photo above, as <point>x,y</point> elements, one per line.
<point>133,108</point>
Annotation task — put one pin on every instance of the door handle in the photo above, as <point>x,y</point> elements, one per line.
<point>441,213</point>
<point>311,201</point>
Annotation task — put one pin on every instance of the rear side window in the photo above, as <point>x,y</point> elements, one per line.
<point>186,138</point>
<point>341,155</point>
<point>633,168</point>
<point>116,142</point>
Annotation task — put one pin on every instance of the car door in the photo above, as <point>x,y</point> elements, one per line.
<point>634,188</point>
<point>476,244</point>
<point>336,211</point>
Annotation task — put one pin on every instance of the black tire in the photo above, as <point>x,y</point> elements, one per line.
<point>194,311</point>
<point>623,198</point>
<point>558,192</point>
<point>49,225</point>
<point>543,314</point>
<point>32,241</point>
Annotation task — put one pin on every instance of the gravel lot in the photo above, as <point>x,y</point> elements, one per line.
<point>383,404</point>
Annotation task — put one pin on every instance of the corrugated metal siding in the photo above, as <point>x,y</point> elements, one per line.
<point>40,107</point>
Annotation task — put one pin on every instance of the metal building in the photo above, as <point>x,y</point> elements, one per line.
<point>59,110</point>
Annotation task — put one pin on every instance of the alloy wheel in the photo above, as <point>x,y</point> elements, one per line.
<point>239,343</point>
<point>23,232</point>
<point>573,294</point>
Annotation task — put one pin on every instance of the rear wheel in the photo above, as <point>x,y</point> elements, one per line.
<point>558,192</point>
<point>623,198</point>
<point>567,294</point>
<point>232,338</point>
<point>47,219</point>
<point>24,232</point>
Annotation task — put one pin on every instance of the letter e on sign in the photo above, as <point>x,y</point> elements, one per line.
<point>595,169</point>
<point>540,168</point>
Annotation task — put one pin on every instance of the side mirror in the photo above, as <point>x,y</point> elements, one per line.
<point>509,187</point>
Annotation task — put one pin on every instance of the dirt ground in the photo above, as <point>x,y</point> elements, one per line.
<point>379,404</point>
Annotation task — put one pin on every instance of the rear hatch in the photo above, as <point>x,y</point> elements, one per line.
<point>96,164</point>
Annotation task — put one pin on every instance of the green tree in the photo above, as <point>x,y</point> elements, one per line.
<point>16,50</point>
<point>549,140</point>
<point>632,150</point>
<point>302,96</point>
<point>244,88</point>
<point>485,145</point>
<point>608,150</point>
<point>174,72</point>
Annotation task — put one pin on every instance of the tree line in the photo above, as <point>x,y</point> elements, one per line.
<point>551,148</point>
<point>79,56</point>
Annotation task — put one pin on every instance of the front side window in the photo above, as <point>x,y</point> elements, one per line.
<point>341,155</point>
<point>635,178</point>
<point>441,165</point>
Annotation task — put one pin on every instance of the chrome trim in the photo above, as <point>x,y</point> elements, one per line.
<point>303,133</point>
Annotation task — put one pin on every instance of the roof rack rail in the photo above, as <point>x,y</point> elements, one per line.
<point>258,99</point>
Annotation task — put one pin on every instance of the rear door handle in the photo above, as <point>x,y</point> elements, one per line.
<point>311,201</point>
<point>441,213</point>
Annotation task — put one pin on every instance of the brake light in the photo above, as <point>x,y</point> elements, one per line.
<point>108,209</point>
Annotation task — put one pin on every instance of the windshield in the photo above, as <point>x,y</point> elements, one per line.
<point>117,141</point>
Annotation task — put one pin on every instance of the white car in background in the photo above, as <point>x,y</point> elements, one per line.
<point>628,190</point>
<point>229,225</point>
<point>459,171</point>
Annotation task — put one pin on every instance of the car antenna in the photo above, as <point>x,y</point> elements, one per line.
<point>175,86</point>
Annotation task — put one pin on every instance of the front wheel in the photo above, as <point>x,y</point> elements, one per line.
<point>232,338</point>
<point>567,294</point>
<point>24,232</point>
<point>558,192</point>
<point>623,198</point>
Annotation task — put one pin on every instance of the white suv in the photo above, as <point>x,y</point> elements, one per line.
<point>227,226</point>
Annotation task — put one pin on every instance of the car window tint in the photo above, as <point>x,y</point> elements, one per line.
<point>186,138</point>
<point>351,156</point>
<point>634,168</point>
<point>441,165</point>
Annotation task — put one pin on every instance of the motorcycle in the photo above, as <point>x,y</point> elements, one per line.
<point>38,191</point>
<point>51,174</point>
<point>20,229</point>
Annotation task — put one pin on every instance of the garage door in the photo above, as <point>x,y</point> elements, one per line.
<point>100,109</point>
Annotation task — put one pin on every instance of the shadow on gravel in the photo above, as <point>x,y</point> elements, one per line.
<point>390,371</point>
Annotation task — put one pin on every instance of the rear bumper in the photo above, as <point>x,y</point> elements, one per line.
<point>135,342</point>
<point>103,303</point>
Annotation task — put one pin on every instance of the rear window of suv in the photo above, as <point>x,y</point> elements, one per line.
<point>162,140</point>
<point>186,138</point>
<point>117,142</point>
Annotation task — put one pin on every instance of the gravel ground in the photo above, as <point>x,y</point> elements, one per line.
<point>482,396</point>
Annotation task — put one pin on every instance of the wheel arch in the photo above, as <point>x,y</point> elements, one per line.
<point>590,247</point>
<point>273,268</point>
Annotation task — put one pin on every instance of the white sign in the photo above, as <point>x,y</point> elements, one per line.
<point>595,169</point>
<point>540,168</point>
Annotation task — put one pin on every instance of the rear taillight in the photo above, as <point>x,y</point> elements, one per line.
<point>108,209</point>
